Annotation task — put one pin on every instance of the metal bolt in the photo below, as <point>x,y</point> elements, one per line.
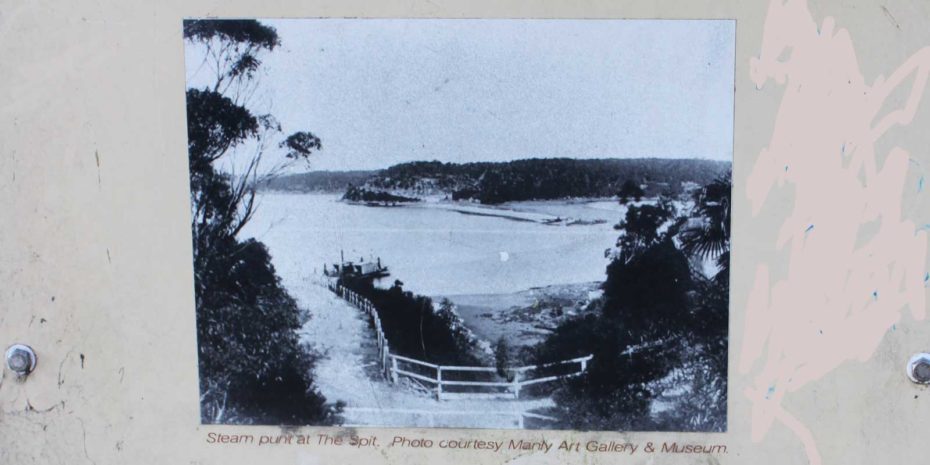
<point>918,368</point>
<point>21,359</point>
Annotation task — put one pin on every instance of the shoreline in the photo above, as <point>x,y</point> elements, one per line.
<point>523,318</point>
<point>575,211</point>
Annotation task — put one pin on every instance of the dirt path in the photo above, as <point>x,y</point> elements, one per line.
<point>347,371</point>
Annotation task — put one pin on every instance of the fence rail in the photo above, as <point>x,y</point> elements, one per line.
<point>394,366</point>
<point>438,418</point>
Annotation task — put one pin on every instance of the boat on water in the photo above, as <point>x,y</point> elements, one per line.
<point>361,269</point>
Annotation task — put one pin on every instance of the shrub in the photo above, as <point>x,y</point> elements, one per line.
<point>252,368</point>
<point>414,327</point>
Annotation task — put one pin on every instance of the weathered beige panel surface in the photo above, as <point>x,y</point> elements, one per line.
<point>95,259</point>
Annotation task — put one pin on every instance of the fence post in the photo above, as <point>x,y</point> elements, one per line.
<point>384,361</point>
<point>584,365</point>
<point>385,353</point>
<point>394,370</point>
<point>439,382</point>
<point>516,390</point>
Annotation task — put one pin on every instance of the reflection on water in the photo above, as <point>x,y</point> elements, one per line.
<point>434,251</point>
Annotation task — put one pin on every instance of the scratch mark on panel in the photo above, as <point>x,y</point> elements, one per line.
<point>891,17</point>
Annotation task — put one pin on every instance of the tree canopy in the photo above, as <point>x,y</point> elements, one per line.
<point>300,145</point>
<point>252,368</point>
<point>661,325</point>
<point>248,32</point>
<point>233,45</point>
<point>630,191</point>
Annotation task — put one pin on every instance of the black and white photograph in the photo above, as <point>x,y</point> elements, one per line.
<point>461,223</point>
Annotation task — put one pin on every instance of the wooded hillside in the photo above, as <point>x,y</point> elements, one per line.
<point>529,179</point>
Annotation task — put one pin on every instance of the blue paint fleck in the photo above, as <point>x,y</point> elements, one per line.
<point>770,391</point>
<point>920,184</point>
<point>809,229</point>
<point>786,168</point>
<point>926,279</point>
<point>875,295</point>
<point>894,327</point>
<point>843,150</point>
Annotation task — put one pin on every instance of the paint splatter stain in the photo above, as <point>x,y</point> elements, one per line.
<point>777,298</point>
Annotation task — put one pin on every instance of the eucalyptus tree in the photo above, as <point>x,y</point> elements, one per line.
<point>252,369</point>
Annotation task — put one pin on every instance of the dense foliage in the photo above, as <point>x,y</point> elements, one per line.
<point>252,368</point>
<point>661,325</point>
<point>317,181</point>
<point>630,191</point>
<point>496,182</point>
<point>357,194</point>
<point>546,178</point>
<point>415,327</point>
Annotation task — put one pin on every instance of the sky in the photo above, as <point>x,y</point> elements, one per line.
<point>381,92</point>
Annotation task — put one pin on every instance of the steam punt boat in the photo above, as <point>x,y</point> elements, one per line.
<point>361,269</point>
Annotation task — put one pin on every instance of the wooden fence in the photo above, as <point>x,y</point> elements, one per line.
<point>433,418</point>
<point>365,305</point>
<point>449,382</point>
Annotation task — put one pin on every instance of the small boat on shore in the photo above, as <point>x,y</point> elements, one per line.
<point>361,269</point>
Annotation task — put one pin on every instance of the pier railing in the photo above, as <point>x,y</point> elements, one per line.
<point>449,382</point>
